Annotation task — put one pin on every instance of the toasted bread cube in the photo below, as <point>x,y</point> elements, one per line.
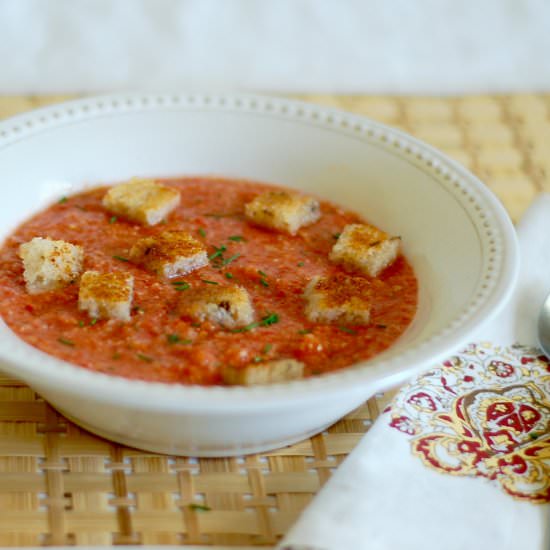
<point>141,200</point>
<point>284,211</point>
<point>228,306</point>
<point>340,298</point>
<point>170,254</point>
<point>270,372</point>
<point>50,264</point>
<point>365,248</point>
<point>106,295</point>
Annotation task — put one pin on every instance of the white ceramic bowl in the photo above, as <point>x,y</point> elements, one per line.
<point>455,232</point>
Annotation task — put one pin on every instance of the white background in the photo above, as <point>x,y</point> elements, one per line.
<point>370,46</point>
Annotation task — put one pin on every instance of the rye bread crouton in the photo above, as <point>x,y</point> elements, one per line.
<point>270,372</point>
<point>365,248</point>
<point>339,299</point>
<point>286,212</point>
<point>106,295</point>
<point>141,200</point>
<point>170,254</point>
<point>228,306</point>
<point>49,264</point>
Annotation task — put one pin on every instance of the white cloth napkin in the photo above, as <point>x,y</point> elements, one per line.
<point>383,497</point>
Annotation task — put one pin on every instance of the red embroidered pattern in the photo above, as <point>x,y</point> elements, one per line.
<point>485,412</point>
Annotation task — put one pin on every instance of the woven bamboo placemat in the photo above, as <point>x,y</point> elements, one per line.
<point>60,485</point>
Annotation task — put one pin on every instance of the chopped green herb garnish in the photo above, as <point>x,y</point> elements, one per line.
<point>534,435</point>
<point>229,275</point>
<point>113,219</point>
<point>217,252</point>
<point>145,358</point>
<point>62,200</point>
<point>236,238</point>
<point>348,330</point>
<point>335,236</point>
<point>263,276</point>
<point>66,342</point>
<point>181,285</point>
<point>305,331</point>
<point>93,321</point>
<point>227,261</point>
<point>177,339</point>
<point>81,323</point>
<point>257,359</point>
<point>300,264</point>
<point>202,232</point>
<point>199,507</point>
<point>268,319</point>
<point>209,282</point>
<point>267,348</point>
<point>264,282</point>
<point>121,258</point>
<point>260,272</point>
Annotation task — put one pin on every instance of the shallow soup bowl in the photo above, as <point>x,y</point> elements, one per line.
<point>454,231</point>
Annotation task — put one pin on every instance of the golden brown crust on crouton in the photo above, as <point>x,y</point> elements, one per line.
<point>169,254</point>
<point>339,298</point>
<point>50,264</point>
<point>365,248</point>
<point>269,372</point>
<point>229,306</point>
<point>142,200</point>
<point>284,211</point>
<point>106,295</point>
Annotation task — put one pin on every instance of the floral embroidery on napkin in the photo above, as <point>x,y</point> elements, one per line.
<point>484,412</point>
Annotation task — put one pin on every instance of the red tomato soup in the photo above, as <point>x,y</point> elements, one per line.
<point>158,343</point>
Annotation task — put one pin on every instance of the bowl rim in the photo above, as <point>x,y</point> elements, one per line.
<point>43,370</point>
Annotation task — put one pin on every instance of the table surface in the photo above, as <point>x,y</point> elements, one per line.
<point>60,485</point>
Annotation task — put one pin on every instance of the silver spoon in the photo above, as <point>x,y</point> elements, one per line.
<point>543,329</point>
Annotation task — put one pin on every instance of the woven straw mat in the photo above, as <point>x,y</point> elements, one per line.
<point>60,485</point>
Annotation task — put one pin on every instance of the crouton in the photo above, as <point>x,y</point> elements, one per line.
<point>143,201</point>
<point>170,254</point>
<point>284,211</point>
<point>106,295</point>
<point>339,298</point>
<point>363,247</point>
<point>50,264</point>
<point>228,306</point>
<point>270,372</point>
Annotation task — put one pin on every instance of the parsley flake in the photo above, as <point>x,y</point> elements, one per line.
<point>229,275</point>
<point>209,282</point>
<point>177,339</point>
<point>62,200</point>
<point>66,342</point>
<point>145,358</point>
<point>300,264</point>
<point>267,348</point>
<point>217,252</point>
<point>227,261</point>
<point>267,320</point>
<point>202,232</point>
<point>180,286</point>
<point>121,258</point>
<point>236,238</point>
<point>348,330</point>
<point>113,219</point>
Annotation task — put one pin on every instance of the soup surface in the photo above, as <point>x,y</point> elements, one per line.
<point>158,344</point>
